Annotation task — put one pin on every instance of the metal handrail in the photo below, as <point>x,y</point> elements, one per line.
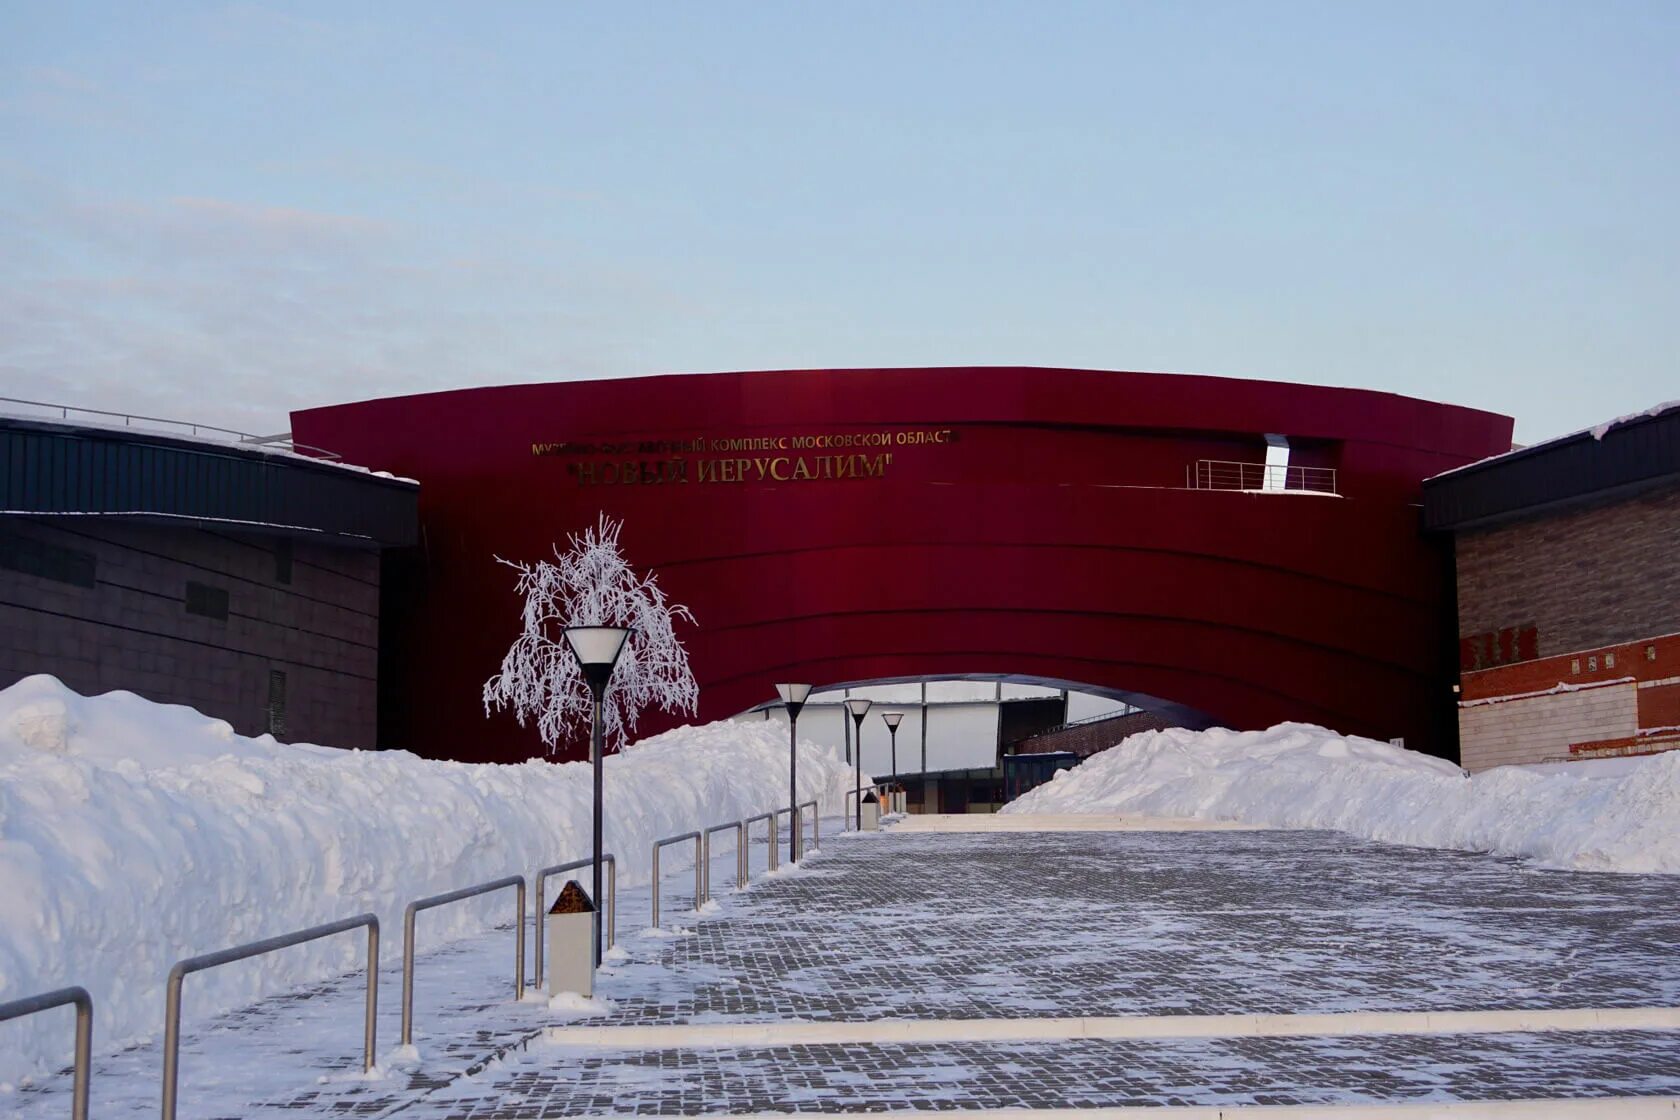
<point>770,820</point>
<point>795,850</point>
<point>172,994</point>
<point>740,855</point>
<point>128,418</point>
<point>699,871</point>
<point>29,1005</point>
<point>420,904</point>
<point>816,823</point>
<point>542,911</point>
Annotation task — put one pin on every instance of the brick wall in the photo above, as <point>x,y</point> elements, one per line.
<point>1587,578</point>
<point>104,606</point>
<point>1087,739</point>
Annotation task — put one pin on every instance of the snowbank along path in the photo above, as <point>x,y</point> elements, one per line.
<point>1583,816</point>
<point>133,834</point>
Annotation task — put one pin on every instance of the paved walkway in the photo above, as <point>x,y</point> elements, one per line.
<point>931,969</point>
<point>1046,929</point>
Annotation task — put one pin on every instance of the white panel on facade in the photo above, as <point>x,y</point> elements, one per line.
<point>891,693</point>
<point>825,725</point>
<point>962,737</point>
<point>947,691</point>
<point>1028,691</point>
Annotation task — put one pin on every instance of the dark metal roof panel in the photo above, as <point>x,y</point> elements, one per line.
<point>1630,457</point>
<point>49,469</point>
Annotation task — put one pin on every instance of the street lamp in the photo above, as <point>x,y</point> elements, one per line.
<point>597,649</point>
<point>892,719</point>
<point>794,697</point>
<point>859,707</point>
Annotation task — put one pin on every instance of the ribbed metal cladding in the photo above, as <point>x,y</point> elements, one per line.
<point>1633,456</point>
<point>48,469</point>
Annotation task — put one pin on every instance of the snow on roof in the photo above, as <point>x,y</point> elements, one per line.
<point>1597,431</point>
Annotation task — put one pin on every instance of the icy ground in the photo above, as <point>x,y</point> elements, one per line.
<point>1621,817</point>
<point>133,835</point>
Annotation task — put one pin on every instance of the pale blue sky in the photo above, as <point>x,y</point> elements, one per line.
<point>230,210</point>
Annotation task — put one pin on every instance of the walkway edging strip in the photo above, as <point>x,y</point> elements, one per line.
<point>907,1031</point>
<point>1622,1108</point>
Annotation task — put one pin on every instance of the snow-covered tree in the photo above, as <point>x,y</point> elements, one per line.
<point>591,584</point>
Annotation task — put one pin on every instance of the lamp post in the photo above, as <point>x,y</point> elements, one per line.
<point>597,649</point>
<point>794,697</point>
<point>892,719</point>
<point>859,707</point>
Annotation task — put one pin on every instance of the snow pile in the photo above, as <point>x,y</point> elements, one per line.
<point>134,834</point>
<point>1295,775</point>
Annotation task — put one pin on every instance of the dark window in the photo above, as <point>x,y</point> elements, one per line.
<point>276,703</point>
<point>211,602</point>
<point>282,561</point>
<point>48,561</point>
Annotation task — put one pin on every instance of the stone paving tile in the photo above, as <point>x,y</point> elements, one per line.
<point>1058,924</point>
<point>552,1081</point>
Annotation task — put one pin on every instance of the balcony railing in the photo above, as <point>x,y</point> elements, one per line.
<point>1219,474</point>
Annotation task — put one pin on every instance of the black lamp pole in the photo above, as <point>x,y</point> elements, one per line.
<point>597,649</point>
<point>794,697</point>
<point>891,719</point>
<point>859,707</point>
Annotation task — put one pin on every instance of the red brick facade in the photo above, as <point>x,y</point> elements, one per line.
<point>1570,634</point>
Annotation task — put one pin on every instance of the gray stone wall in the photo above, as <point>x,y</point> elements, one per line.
<point>268,635</point>
<point>1588,578</point>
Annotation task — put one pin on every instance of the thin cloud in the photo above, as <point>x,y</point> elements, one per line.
<point>234,313</point>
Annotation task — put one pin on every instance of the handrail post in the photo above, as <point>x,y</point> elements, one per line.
<point>706,852</point>
<point>700,895</point>
<point>84,1056</point>
<point>699,869</point>
<point>408,975</point>
<point>179,973</point>
<point>171,1039</point>
<point>519,940</point>
<point>741,855</point>
<point>420,904</point>
<point>46,1001</point>
<point>370,1022</point>
<point>656,886</point>
<point>816,822</point>
<point>612,909</point>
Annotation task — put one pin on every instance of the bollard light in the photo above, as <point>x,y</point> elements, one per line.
<point>597,650</point>
<point>859,707</point>
<point>793,697</point>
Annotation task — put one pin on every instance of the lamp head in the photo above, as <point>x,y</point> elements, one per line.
<point>858,706</point>
<point>597,649</point>
<point>892,719</point>
<point>794,696</point>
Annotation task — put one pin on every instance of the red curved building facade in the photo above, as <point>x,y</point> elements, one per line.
<point>837,526</point>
